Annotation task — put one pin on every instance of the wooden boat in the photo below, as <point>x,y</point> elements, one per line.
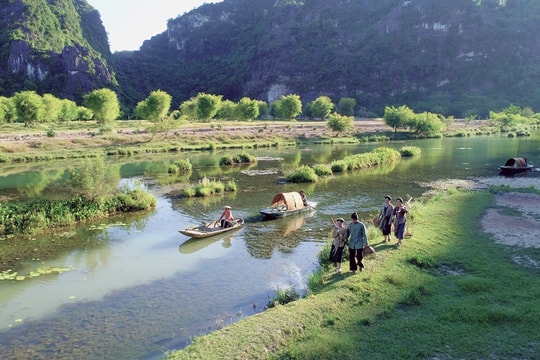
<point>286,204</point>
<point>515,165</point>
<point>210,229</point>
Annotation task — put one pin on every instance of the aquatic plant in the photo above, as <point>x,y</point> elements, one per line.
<point>304,174</point>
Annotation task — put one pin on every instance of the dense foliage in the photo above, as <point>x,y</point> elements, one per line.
<point>43,214</point>
<point>58,47</point>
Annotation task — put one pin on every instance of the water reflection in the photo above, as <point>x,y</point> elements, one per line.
<point>193,245</point>
<point>281,235</point>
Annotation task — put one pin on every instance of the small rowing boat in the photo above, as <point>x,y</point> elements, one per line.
<point>515,166</point>
<point>211,229</point>
<point>286,204</point>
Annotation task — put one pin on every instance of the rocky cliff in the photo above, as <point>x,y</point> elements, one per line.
<point>57,46</point>
<point>458,57</point>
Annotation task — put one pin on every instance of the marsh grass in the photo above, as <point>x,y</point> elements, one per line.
<point>447,293</point>
<point>207,187</point>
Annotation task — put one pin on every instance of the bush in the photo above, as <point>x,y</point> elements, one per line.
<point>243,158</point>
<point>180,166</point>
<point>31,217</point>
<point>93,179</point>
<point>410,151</point>
<point>322,170</point>
<point>207,188</point>
<point>339,166</point>
<point>284,296</point>
<point>304,174</point>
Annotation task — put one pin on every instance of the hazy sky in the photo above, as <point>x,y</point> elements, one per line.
<point>130,22</point>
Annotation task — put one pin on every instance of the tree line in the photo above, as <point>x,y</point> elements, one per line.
<point>103,106</point>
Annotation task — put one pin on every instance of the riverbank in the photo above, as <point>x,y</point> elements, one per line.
<point>452,291</point>
<point>86,139</point>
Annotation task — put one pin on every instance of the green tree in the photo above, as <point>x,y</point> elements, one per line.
<point>104,104</point>
<point>426,123</point>
<point>321,107</point>
<point>288,107</point>
<point>346,106</point>
<point>247,109</point>
<point>29,106</point>
<point>84,113</point>
<point>512,109</point>
<point>227,110</point>
<point>4,109</point>
<point>207,106</point>
<point>155,107</point>
<point>187,109</point>
<point>53,107</point>
<point>263,108</point>
<point>398,117</point>
<point>70,111</point>
<point>8,109</point>
<point>340,123</point>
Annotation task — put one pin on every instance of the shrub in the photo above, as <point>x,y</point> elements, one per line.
<point>339,166</point>
<point>410,151</point>
<point>304,174</point>
<point>284,296</point>
<point>231,186</point>
<point>30,217</point>
<point>243,158</point>
<point>206,188</point>
<point>322,170</point>
<point>180,166</point>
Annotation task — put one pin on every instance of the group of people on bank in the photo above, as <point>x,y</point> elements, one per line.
<point>354,235</point>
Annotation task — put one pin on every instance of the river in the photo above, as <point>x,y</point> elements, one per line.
<point>133,287</point>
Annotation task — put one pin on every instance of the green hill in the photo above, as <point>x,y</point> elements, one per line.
<point>459,57</point>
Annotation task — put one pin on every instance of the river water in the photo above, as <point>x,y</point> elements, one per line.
<point>133,287</point>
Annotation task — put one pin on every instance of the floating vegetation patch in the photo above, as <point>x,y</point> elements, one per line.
<point>99,227</point>
<point>13,275</point>
<point>260,172</point>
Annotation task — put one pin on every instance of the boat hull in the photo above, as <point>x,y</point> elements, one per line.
<point>510,170</point>
<point>279,212</point>
<point>208,230</point>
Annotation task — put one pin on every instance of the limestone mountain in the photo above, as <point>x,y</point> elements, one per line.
<point>458,57</point>
<point>53,46</point>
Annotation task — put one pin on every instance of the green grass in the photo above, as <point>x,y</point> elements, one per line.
<point>448,293</point>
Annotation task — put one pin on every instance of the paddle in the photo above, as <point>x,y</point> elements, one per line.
<point>212,224</point>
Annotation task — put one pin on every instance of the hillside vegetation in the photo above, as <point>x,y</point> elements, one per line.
<point>456,58</point>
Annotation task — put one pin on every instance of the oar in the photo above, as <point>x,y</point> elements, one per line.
<point>212,224</point>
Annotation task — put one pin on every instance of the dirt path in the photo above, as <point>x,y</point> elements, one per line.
<point>515,220</point>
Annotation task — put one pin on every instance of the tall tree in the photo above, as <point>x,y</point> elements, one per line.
<point>346,106</point>
<point>53,107</point>
<point>247,109</point>
<point>155,107</point>
<point>398,117</point>
<point>321,107</point>
<point>340,123</point>
<point>288,107</point>
<point>207,106</point>
<point>104,104</point>
<point>29,106</point>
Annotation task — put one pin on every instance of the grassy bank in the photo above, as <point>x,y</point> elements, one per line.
<point>450,292</point>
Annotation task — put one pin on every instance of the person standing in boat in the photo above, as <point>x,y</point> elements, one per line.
<point>339,235</point>
<point>358,240</point>
<point>304,197</point>
<point>226,219</point>
<point>400,220</point>
<point>385,218</point>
